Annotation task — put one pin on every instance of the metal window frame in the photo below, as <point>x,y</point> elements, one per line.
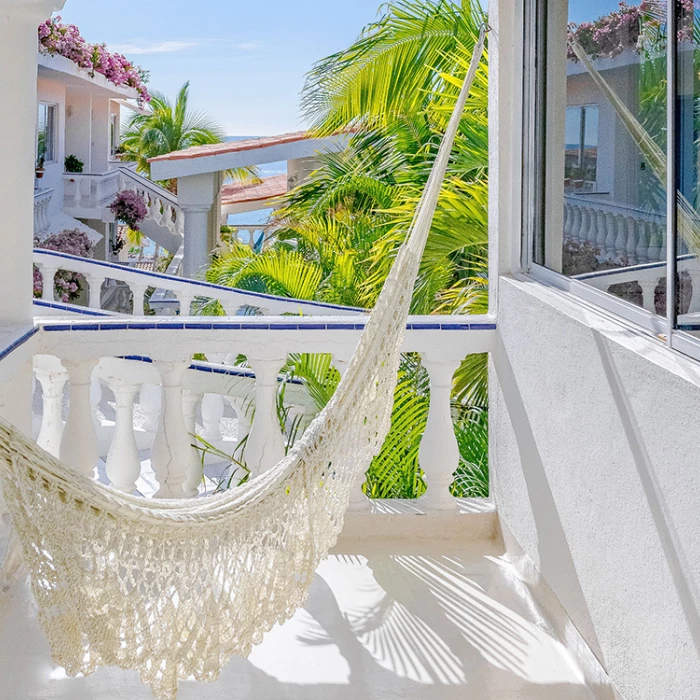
<point>535,51</point>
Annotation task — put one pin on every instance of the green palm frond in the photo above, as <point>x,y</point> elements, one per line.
<point>394,64</point>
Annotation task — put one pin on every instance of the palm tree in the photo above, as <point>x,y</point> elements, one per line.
<point>171,127</point>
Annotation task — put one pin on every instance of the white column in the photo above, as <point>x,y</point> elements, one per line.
<point>439,453</point>
<point>79,443</point>
<point>19,20</point>
<point>196,251</point>
<point>123,463</point>
<point>265,444</point>
<point>190,399</point>
<point>52,377</point>
<point>95,283</point>
<point>171,453</point>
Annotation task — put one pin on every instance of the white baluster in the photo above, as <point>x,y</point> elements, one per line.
<point>590,235</point>
<point>95,283</point>
<point>48,275</point>
<point>171,453</point>
<point>438,455</point>
<point>631,248</point>
<point>601,232</point>
<point>242,419</point>
<point>576,223</point>
<point>265,444</point>
<point>642,241</point>
<point>123,463</point>
<point>212,413</point>
<point>185,299</point>
<point>648,293</point>
<point>139,293</point>
<point>610,235</point>
<point>195,472</point>
<point>150,400</point>
<point>44,220</point>
<point>52,377</point>
<point>79,446</point>
<point>230,307</point>
<point>654,253</point>
<point>621,238</point>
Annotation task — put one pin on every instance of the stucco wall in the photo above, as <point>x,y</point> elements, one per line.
<point>596,454</point>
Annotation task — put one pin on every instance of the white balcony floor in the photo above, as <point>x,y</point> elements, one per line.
<point>387,618</point>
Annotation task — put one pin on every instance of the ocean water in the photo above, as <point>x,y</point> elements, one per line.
<point>266,170</point>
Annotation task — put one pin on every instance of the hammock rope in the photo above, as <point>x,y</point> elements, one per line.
<point>174,588</point>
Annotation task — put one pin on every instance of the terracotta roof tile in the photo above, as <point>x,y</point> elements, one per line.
<point>215,149</point>
<point>240,192</point>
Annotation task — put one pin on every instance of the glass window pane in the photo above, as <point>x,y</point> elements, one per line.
<point>688,150</point>
<point>46,132</point>
<point>605,141</point>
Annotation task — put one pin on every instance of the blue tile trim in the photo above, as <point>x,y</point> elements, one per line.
<point>225,325</point>
<point>70,309</point>
<point>18,342</point>
<point>207,369</point>
<point>199,283</point>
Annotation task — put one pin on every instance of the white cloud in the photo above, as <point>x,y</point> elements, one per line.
<point>145,47</point>
<point>249,46</point>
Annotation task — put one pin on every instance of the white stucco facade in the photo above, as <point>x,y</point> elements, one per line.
<point>594,437</point>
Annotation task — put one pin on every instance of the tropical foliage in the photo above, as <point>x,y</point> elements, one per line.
<point>170,126</point>
<point>338,233</point>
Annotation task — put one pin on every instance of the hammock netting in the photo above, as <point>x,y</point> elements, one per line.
<point>174,588</point>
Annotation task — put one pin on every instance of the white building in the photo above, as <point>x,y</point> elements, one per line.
<point>579,579</point>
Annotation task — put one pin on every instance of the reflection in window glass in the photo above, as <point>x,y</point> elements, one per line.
<point>688,150</point>
<point>604,215</point>
<point>581,149</point>
<point>46,132</point>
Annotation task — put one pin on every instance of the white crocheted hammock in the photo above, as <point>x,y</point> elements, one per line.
<point>174,588</point>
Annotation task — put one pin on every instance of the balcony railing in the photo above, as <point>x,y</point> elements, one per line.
<point>185,291</point>
<point>148,364</point>
<point>42,200</point>
<point>618,232</point>
<point>89,196</point>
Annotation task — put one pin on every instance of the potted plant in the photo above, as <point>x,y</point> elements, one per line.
<point>39,168</point>
<point>73,164</point>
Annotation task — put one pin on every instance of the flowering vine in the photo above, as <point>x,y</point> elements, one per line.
<point>67,285</point>
<point>130,208</point>
<point>56,38</point>
<point>610,35</point>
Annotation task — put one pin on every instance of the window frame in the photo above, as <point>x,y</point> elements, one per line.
<point>534,153</point>
<point>114,135</point>
<point>52,108</point>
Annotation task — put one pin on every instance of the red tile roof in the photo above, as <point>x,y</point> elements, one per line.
<point>216,149</point>
<point>241,192</point>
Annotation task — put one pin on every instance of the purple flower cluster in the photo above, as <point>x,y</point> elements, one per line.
<point>66,284</point>
<point>65,40</point>
<point>610,35</point>
<point>130,208</point>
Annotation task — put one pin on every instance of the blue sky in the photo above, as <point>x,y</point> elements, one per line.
<point>245,59</point>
